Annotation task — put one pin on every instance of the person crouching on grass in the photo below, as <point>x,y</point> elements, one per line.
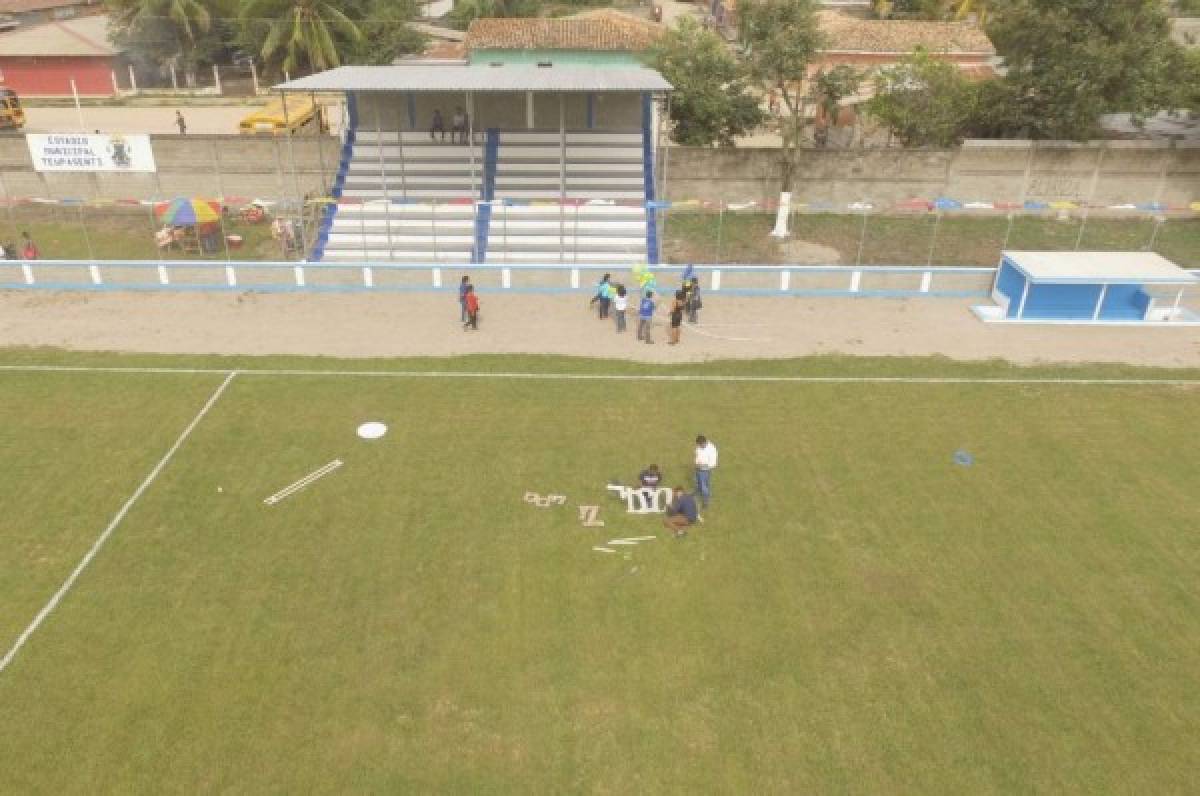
<point>681,513</point>
<point>471,303</point>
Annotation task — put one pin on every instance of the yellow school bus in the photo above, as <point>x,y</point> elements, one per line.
<point>12,115</point>
<point>271,119</point>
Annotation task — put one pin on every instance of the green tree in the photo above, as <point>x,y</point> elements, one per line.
<point>830,88</point>
<point>780,38</point>
<point>923,101</point>
<point>298,35</point>
<point>466,11</point>
<point>160,32</point>
<point>1069,61</point>
<point>386,33</point>
<point>710,104</point>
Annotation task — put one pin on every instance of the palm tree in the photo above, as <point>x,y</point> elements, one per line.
<point>301,33</point>
<point>187,20</point>
<point>963,8</point>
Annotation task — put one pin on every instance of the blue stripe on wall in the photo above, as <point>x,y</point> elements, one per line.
<point>1010,283</point>
<point>483,213</point>
<point>648,178</point>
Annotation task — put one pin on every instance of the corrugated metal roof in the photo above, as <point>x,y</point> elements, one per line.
<point>69,37</point>
<point>510,77</point>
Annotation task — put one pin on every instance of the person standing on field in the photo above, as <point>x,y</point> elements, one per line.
<point>692,302</point>
<point>676,318</point>
<point>706,462</point>
<point>620,304</point>
<point>463,287</point>
<point>645,317</point>
<point>180,123</point>
<point>472,305</point>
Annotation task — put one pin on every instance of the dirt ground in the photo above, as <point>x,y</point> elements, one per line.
<point>379,325</point>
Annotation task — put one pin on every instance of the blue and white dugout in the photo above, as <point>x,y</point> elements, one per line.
<point>1090,288</point>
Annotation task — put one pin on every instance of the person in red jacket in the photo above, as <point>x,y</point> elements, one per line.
<point>471,302</point>
<point>29,249</point>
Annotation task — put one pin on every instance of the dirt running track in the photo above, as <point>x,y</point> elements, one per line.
<point>378,325</point>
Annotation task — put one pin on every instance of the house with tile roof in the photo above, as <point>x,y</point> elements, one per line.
<point>597,38</point>
<point>43,60</point>
<point>869,44</point>
<point>33,12</point>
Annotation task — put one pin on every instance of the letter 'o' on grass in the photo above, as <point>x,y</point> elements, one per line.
<point>372,430</point>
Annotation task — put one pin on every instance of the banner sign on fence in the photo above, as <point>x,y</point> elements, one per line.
<point>90,152</point>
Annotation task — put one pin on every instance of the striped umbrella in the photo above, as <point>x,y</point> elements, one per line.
<point>187,212</point>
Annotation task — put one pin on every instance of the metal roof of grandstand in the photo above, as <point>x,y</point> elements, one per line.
<point>456,77</point>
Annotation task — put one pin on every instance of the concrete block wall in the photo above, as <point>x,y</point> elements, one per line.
<point>1110,172</point>
<point>1113,172</point>
<point>195,165</point>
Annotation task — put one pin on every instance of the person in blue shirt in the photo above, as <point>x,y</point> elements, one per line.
<point>603,296</point>
<point>645,316</point>
<point>682,512</point>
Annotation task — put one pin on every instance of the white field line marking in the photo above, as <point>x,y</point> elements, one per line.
<point>667,377</point>
<point>701,332</point>
<point>112,526</point>
<point>633,539</point>
<point>293,488</point>
<point>620,542</point>
<point>603,550</point>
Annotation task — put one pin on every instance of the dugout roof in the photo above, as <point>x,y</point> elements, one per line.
<point>1099,267</point>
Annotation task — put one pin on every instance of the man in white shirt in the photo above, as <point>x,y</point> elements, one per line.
<point>706,462</point>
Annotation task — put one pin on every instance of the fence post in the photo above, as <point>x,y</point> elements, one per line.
<point>162,275</point>
<point>437,277</point>
<point>715,284</point>
<point>855,281</point>
<point>926,281</point>
<point>132,79</point>
<point>785,280</point>
<point>254,77</point>
<point>298,271</point>
<point>27,272</point>
<point>368,276</point>
<point>230,276</point>
<point>933,237</point>
<point>506,278</point>
<point>574,278</point>
<point>217,79</point>
<point>862,236</point>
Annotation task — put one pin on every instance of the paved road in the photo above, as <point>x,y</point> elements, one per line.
<point>222,119</point>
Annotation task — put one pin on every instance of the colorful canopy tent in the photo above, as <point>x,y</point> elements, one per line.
<point>188,212</point>
<point>1089,287</point>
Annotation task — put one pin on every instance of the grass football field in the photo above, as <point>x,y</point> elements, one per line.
<point>858,613</point>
